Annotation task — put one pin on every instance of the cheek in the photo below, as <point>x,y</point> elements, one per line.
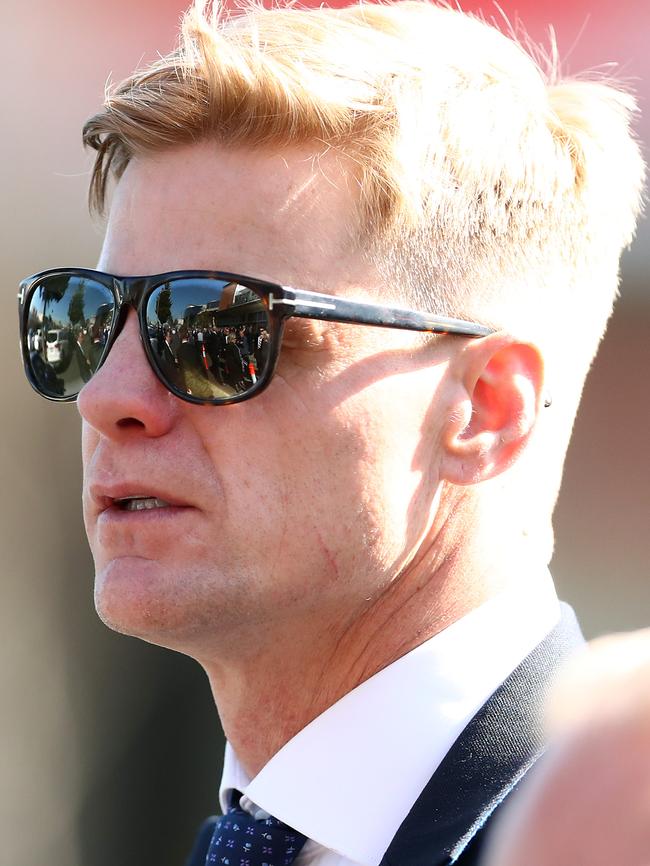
<point>389,477</point>
<point>323,482</point>
<point>387,446</point>
<point>291,490</point>
<point>355,481</point>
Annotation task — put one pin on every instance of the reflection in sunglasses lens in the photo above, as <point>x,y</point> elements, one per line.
<point>68,323</point>
<point>210,338</point>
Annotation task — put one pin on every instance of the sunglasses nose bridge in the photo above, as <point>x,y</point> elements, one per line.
<point>129,290</point>
<point>128,293</point>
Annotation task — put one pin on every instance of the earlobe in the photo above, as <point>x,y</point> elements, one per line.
<point>499,393</point>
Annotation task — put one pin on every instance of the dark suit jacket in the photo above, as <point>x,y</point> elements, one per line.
<point>451,817</point>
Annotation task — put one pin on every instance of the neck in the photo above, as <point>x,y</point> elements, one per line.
<point>267,693</point>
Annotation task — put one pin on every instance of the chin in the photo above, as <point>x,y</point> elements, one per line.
<point>141,598</point>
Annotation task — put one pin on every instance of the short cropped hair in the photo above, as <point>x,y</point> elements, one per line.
<point>481,173</point>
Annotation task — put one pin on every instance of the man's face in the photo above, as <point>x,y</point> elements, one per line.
<point>298,506</point>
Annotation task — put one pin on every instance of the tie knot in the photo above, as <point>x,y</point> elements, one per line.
<point>241,840</point>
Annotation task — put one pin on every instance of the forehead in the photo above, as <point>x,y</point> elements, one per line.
<point>285,216</point>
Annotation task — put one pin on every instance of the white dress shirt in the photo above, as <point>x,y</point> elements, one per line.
<point>348,780</point>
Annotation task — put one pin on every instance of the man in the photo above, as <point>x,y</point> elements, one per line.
<point>354,546</point>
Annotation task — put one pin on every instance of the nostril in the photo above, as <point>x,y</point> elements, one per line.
<point>130,423</point>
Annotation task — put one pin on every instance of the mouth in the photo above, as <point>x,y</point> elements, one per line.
<point>136,498</point>
<point>140,503</point>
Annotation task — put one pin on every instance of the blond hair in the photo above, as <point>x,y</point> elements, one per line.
<point>480,174</point>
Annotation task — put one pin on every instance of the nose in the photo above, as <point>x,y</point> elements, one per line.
<point>125,397</point>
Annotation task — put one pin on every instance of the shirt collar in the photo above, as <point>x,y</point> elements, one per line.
<point>350,777</point>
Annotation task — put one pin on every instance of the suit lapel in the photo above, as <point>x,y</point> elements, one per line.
<point>492,754</point>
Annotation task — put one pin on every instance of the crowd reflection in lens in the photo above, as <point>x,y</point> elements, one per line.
<point>215,349</point>
<point>212,361</point>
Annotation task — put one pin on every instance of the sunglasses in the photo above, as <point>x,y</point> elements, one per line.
<point>210,337</point>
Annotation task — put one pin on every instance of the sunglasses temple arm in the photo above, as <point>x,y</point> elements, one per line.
<point>332,309</point>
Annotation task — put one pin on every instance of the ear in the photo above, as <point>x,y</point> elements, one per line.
<point>497,388</point>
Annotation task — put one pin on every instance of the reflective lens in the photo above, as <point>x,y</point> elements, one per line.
<point>68,324</point>
<point>209,338</point>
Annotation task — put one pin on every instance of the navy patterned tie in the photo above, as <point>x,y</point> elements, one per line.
<point>241,840</point>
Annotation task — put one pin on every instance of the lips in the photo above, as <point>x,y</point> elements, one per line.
<point>134,496</point>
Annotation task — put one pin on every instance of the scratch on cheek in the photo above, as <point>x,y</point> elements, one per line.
<point>278,551</point>
<point>329,556</point>
<point>279,547</point>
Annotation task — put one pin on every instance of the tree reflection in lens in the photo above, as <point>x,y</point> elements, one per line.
<point>64,340</point>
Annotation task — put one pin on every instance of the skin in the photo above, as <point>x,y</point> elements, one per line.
<point>326,527</point>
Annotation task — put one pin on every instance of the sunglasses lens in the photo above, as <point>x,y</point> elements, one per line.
<point>209,338</point>
<point>67,325</point>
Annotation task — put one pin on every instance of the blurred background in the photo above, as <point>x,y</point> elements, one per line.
<point>111,748</point>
